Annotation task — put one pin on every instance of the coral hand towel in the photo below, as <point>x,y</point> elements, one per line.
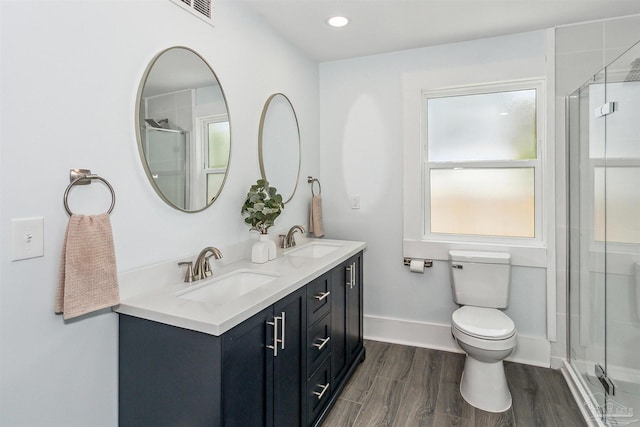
<point>88,276</point>
<point>315,217</point>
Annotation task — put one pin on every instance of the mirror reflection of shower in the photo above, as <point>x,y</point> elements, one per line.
<point>183,129</point>
<point>166,153</point>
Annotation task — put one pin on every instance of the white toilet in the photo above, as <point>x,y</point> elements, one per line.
<point>480,284</point>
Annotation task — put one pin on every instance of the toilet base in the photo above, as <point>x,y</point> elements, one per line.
<point>484,385</point>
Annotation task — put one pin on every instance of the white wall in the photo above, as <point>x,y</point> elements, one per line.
<point>361,154</point>
<point>70,73</point>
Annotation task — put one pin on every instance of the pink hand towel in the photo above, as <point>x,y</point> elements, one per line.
<point>315,217</point>
<point>88,278</point>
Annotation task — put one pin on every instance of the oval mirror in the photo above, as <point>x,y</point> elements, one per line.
<point>279,145</point>
<point>183,131</point>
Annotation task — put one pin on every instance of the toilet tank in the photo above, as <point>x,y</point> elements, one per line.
<point>480,279</point>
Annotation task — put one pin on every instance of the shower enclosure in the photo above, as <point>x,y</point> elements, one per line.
<point>604,241</point>
<point>166,151</point>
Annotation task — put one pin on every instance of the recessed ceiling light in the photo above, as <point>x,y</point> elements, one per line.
<point>338,21</point>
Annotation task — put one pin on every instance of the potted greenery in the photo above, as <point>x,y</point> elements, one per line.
<point>262,206</point>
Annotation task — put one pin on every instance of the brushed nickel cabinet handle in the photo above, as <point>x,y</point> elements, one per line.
<point>274,347</point>
<point>324,388</point>
<point>323,342</point>
<point>282,331</point>
<point>322,296</point>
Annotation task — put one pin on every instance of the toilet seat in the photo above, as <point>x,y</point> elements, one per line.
<point>483,323</point>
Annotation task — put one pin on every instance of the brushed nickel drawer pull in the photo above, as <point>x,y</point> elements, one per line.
<point>323,342</point>
<point>322,296</point>
<point>324,388</point>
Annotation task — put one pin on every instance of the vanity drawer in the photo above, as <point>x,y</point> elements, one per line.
<point>318,298</point>
<point>318,390</point>
<point>318,343</point>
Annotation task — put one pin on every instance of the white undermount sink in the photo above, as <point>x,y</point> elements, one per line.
<point>313,250</point>
<point>227,287</point>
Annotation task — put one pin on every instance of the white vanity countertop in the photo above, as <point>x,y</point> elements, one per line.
<point>150,293</point>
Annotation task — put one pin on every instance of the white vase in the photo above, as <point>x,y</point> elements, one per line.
<point>263,250</point>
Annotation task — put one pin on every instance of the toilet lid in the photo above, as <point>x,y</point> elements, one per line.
<point>480,322</point>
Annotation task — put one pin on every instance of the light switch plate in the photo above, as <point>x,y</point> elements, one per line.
<point>355,201</point>
<point>28,238</point>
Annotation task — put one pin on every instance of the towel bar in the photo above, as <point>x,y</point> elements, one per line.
<point>83,177</point>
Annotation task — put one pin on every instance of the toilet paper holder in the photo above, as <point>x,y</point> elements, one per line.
<point>427,262</point>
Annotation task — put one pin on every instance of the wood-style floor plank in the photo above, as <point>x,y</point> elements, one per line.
<point>418,405</point>
<point>382,403</point>
<point>490,419</point>
<point>529,402</point>
<point>404,386</point>
<point>358,387</point>
<point>343,414</point>
<point>442,420</point>
<point>398,360</point>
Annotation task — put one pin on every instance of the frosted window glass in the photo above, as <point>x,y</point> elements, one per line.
<point>492,126</point>
<point>219,145</point>
<point>214,183</point>
<point>619,201</point>
<point>487,202</point>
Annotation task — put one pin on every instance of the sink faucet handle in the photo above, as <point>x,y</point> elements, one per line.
<point>207,267</point>
<point>188,277</point>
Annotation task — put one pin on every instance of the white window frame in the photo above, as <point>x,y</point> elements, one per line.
<point>536,164</point>
<point>418,241</point>
<point>203,127</point>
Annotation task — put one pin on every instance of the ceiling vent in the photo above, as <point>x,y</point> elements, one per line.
<point>203,9</point>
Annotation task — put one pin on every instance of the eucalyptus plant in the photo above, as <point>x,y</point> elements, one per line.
<point>262,205</point>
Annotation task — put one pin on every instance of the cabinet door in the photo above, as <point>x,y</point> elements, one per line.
<point>338,322</point>
<point>346,315</point>
<point>247,373</point>
<point>353,322</point>
<point>289,364</point>
<point>168,376</point>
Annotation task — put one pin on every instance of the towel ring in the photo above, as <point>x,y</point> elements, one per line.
<point>89,177</point>
<point>311,180</point>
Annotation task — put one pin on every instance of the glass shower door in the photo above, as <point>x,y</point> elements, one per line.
<point>166,153</point>
<point>622,237</point>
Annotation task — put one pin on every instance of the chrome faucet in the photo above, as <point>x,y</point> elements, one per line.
<point>289,241</point>
<point>202,268</point>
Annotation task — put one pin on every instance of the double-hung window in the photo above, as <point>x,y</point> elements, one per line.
<point>482,169</point>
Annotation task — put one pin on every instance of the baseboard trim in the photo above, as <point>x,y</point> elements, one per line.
<point>530,350</point>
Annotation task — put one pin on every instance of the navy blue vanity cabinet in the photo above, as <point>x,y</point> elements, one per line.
<point>284,366</point>
<point>346,317</point>
<point>252,375</point>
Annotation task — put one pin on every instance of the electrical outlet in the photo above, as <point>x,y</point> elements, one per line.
<point>28,238</point>
<point>355,201</point>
